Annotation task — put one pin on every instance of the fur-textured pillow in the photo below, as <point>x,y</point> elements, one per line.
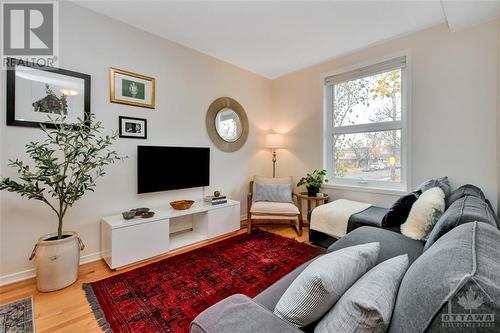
<point>424,214</point>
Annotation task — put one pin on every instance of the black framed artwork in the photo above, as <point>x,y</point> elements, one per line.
<point>134,128</point>
<point>35,93</point>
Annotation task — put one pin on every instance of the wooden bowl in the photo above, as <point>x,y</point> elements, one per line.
<point>181,204</point>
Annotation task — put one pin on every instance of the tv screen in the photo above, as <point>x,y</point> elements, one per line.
<point>171,168</point>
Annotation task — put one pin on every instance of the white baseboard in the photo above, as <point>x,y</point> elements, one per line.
<point>30,273</point>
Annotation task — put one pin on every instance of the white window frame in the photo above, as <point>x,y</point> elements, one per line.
<point>329,130</point>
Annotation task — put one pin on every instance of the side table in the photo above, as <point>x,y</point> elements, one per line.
<point>317,202</point>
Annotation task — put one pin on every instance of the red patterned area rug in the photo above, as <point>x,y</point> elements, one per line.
<point>167,295</point>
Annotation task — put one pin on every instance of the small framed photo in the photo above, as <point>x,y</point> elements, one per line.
<point>131,88</point>
<point>135,128</point>
<point>37,93</point>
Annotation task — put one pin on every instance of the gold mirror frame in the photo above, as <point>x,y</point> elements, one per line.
<point>213,110</point>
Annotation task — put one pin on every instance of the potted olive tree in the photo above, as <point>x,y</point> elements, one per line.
<point>62,169</point>
<point>313,181</point>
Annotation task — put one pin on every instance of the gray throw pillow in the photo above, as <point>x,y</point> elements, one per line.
<point>456,280</point>
<point>323,282</point>
<point>443,183</point>
<point>367,306</point>
<point>464,210</point>
<point>273,192</point>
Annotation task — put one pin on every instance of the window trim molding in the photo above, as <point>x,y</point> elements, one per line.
<point>403,124</point>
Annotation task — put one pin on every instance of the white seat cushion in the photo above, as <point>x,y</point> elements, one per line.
<point>265,207</point>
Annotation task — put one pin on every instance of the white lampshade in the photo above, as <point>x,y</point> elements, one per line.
<point>275,141</point>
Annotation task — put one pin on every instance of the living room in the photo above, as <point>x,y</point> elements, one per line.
<point>421,115</point>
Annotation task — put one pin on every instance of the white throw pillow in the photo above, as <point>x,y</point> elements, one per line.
<point>323,282</point>
<point>424,214</point>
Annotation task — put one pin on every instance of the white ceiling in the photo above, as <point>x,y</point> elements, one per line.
<point>274,38</point>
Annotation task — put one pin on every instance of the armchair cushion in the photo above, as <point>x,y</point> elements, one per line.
<point>270,180</point>
<point>266,207</point>
<point>273,192</point>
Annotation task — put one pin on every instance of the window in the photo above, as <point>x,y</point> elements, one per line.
<point>366,142</point>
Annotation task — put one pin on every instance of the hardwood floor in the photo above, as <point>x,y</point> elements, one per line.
<point>67,310</point>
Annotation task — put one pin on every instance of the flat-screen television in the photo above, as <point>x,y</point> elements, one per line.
<point>171,168</point>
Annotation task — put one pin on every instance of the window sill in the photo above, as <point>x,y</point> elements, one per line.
<point>386,191</point>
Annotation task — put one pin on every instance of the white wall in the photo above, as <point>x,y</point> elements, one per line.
<point>453,110</point>
<point>186,83</point>
<point>498,123</point>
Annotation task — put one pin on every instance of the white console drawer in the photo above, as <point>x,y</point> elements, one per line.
<point>223,220</point>
<point>138,242</point>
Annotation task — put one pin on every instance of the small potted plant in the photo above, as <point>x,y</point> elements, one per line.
<point>313,182</point>
<point>62,169</point>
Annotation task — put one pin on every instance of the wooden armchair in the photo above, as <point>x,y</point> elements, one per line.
<point>264,212</point>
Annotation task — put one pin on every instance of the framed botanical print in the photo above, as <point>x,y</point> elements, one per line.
<point>35,94</point>
<point>131,88</point>
<point>135,128</point>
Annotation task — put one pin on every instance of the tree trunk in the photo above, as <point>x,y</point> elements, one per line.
<point>59,227</point>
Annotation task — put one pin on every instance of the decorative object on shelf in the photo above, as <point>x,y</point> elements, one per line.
<point>128,215</point>
<point>131,88</point>
<point>60,183</point>
<point>227,124</point>
<point>181,204</point>
<point>140,211</point>
<point>147,215</point>
<point>313,181</point>
<point>34,92</point>
<point>135,128</point>
<point>216,199</point>
<point>275,141</point>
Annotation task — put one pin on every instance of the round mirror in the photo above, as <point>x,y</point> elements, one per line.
<point>228,125</point>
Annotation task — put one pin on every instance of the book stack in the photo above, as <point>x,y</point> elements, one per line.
<point>221,199</point>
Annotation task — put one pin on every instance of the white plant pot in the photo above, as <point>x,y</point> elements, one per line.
<point>57,261</point>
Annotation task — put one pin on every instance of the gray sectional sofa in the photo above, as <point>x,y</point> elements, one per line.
<point>453,285</point>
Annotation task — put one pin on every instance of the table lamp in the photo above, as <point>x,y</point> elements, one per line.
<point>275,141</point>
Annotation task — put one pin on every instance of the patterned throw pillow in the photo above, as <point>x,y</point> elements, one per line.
<point>367,306</point>
<point>273,192</point>
<point>424,213</point>
<point>323,282</point>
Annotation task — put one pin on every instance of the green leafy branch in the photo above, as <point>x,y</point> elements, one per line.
<point>64,166</point>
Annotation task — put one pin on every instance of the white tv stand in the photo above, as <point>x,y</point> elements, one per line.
<point>124,242</point>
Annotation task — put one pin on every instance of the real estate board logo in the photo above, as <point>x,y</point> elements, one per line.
<point>30,32</point>
<point>470,308</point>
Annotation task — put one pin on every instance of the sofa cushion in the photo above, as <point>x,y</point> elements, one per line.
<point>443,183</point>
<point>265,207</point>
<point>436,284</point>
<point>273,192</point>
<point>462,191</point>
<point>391,243</point>
<point>270,297</point>
<point>466,209</point>
<point>399,211</point>
<point>323,282</point>
<point>238,313</point>
<point>424,214</point>
<point>367,306</point>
